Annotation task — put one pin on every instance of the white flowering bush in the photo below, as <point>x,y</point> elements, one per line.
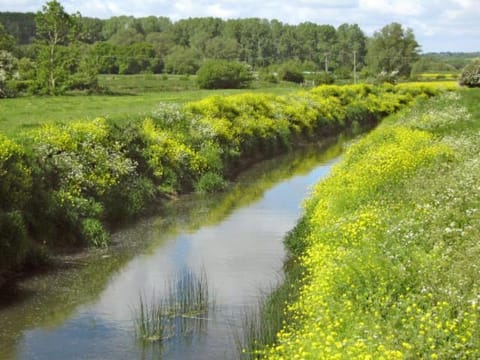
<point>471,74</point>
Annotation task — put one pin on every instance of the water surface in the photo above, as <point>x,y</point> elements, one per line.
<point>84,309</point>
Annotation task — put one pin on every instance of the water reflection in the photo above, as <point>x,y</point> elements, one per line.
<point>84,310</point>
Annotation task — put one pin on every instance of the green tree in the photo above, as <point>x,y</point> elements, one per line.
<point>182,61</point>
<point>221,48</point>
<point>139,57</point>
<point>90,30</point>
<point>350,48</point>
<point>55,30</point>
<point>106,57</point>
<point>126,37</point>
<point>392,49</point>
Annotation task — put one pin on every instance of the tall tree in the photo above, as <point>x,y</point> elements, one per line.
<point>392,49</point>
<point>350,40</point>
<point>55,30</point>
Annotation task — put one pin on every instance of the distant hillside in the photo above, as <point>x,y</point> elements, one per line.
<point>456,59</point>
<point>20,25</point>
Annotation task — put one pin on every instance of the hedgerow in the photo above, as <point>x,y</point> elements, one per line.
<point>78,179</point>
<point>15,193</point>
<point>387,246</point>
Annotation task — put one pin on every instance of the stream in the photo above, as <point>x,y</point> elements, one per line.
<point>85,307</point>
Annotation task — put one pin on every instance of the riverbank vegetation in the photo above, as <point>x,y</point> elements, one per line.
<point>66,184</point>
<point>388,245</point>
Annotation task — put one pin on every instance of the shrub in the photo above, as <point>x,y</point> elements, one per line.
<point>221,74</point>
<point>268,76</point>
<point>15,187</point>
<point>77,166</point>
<point>210,182</point>
<point>7,72</point>
<point>291,72</point>
<point>386,77</point>
<point>324,78</point>
<point>471,74</point>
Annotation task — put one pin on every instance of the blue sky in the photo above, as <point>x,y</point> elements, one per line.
<point>439,25</point>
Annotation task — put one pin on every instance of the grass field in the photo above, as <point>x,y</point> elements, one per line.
<point>134,95</point>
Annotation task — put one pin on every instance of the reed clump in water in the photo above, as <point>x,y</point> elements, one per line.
<point>183,309</point>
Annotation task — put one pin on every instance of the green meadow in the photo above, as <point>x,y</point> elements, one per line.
<point>128,96</point>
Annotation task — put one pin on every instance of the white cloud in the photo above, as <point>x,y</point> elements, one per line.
<point>393,7</point>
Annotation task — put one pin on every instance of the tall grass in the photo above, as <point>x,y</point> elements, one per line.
<point>261,324</point>
<point>182,310</point>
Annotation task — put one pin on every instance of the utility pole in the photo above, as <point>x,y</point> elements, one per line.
<point>326,62</point>
<point>354,66</point>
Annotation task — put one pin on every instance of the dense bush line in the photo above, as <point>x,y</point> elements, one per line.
<point>63,184</point>
<point>388,245</point>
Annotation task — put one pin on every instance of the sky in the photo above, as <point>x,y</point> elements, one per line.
<point>438,25</point>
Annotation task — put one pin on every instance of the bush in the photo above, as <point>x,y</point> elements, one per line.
<point>268,76</point>
<point>386,77</point>
<point>471,74</point>
<point>291,72</point>
<point>210,182</point>
<point>15,187</point>
<point>222,74</point>
<point>324,78</point>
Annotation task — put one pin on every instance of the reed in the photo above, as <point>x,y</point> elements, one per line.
<point>182,310</point>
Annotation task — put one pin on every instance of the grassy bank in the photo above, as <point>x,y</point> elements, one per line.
<point>132,96</point>
<point>389,244</point>
<point>65,184</point>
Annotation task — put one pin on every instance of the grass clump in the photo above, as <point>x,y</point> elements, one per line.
<point>182,311</point>
<point>389,242</point>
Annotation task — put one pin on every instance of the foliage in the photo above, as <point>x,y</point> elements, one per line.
<point>82,176</point>
<point>323,78</point>
<point>182,61</point>
<point>471,74</point>
<point>427,64</point>
<point>392,49</point>
<point>386,245</point>
<point>385,77</point>
<point>55,30</point>
<point>291,71</point>
<point>15,193</point>
<point>7,41</point>
<point>78,167</point>
<point>221,74</point>
<point>210,182</point>
<point>7,72</point>
<point>61,64</point>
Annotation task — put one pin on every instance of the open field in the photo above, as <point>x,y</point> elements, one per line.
<point>438,76</point>
<point>136,96</point>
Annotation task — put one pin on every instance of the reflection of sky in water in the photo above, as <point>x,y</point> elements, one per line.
<point>241,256</point>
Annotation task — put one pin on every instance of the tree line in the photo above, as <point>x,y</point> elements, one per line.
<point>51,51</point>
